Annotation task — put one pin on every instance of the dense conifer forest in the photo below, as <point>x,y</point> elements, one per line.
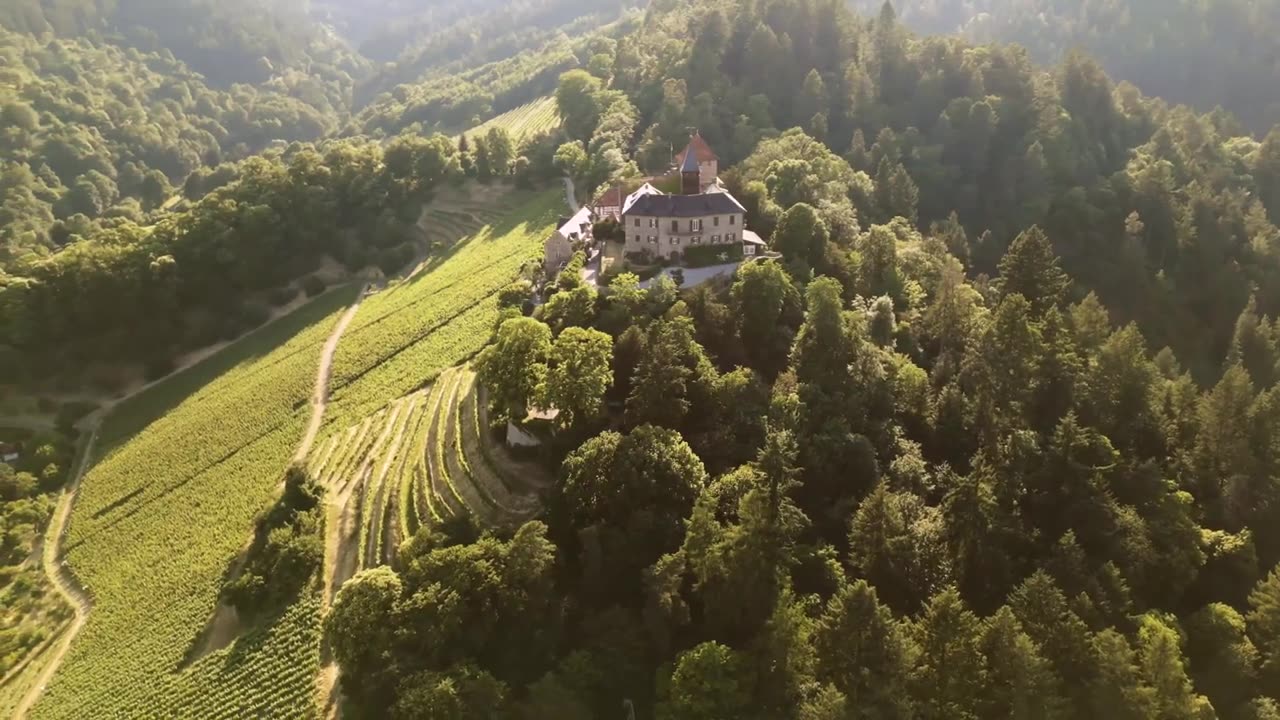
<point>993,433</point>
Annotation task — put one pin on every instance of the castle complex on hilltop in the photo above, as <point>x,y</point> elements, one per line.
<point>661,225</point>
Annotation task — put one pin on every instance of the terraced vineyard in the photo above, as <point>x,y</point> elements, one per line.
<point>420,460</point>
<point>445,226</point>
<point>161,515</point>
<point>529,119</point>
<point>407,334</point>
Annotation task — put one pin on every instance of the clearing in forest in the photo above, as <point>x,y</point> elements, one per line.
<point>180,475</point>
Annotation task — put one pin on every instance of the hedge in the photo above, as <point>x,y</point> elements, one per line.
<point>704,255</point>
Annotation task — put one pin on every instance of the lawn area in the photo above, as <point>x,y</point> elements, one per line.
<point>181,472</point>
<point>404,336</point>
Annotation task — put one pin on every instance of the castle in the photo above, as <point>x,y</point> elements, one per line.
<point>661,225</point>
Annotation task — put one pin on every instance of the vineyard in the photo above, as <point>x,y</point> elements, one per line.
<point>530,119</point>
<point>421,460</point>
<point>406,335</point>
<point>183,469</point>
<point>457,214</point>
<point>182,473</point>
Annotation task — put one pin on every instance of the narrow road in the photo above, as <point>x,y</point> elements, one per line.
<point>569,195</point>
<point>60,576</point>
<point>320,395</point>
<point>327,680</point>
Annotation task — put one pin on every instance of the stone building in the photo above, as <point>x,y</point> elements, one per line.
<point>703,213</point>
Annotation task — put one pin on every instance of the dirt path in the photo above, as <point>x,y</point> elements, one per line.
<point>569,195</point>
<point>61,576</point>
<point>320,395</point>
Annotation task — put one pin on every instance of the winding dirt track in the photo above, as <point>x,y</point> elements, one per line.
<point>320,395</point>
<point>61,577</point>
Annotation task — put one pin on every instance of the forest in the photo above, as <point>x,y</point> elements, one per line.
<point>994,437</point>
<point>1204,54</point>
<point>995,434</point>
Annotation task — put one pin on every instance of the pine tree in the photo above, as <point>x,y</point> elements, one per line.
<point>1020,683</point>
<point>863,652</point>
<point>1030,269</point>
<point>949,673</point>
<point>1161,662</point>
<point>1264,625</point>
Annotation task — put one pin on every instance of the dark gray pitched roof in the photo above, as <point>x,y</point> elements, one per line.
<point>690,164</point>
<point>716,203</point>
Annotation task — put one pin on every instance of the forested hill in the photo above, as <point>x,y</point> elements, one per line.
<point>226,41</point>
<point>118,104</point>
<point>1166,214</point>
<point>1204,54</point>
<point>994,437</point>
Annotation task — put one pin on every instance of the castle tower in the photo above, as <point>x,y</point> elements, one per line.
<point>704,159</point>
<point>690,175</point>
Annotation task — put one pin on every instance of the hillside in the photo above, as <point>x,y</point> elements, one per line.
<point>986,429</point>
<point>1202,54</point>
<point>160,516</point>
<point>242,413</point>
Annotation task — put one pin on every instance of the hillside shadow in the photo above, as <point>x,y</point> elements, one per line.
<point>133,415</point>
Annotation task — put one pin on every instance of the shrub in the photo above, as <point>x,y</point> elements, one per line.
<point>287,549</point>
<point>281,296</point>
<point>704,255</point>
<point>516,294</point>
<point>253,314</point>
<point>312,285</point>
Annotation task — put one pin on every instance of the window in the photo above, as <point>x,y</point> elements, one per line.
<point>732,219</point>
<point>715,238</point>
<point>716,221</point>
<point>675,241</point>
<point>653,239</point>
<point>637,238</point>
<point>675,226</point>
<point>697,240</point>
<point>637,222</point>
<point>695,225</point>
<point>653,222</point>
<point>731,237</point>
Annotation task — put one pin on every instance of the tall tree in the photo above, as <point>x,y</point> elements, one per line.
<point>515,366</point>
<point>707,684</point>
<point>1264,625</point>
<point>579,375</point>
<point>863,652</point>
<point>1030,269</point>
<point>949,671</point>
